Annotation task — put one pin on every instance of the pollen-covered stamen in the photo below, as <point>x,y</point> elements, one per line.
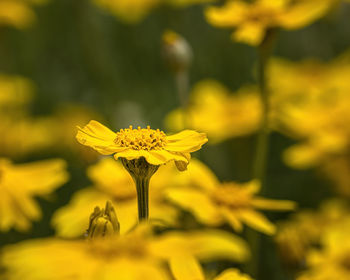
<point>232,196</point>
<point>141,138</point>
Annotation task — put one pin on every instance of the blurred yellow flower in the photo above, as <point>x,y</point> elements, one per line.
<point>214,203</point>
<point>18,13</point>
<point>153,145</point>
<point>130,11</point>
<point>15,92</point>
<point>112,182</point>
<point>65,119</point>
<point>37,133</point>
<point>214,110</point>
<point>253,19</point>
<point>311,104</point>
<point>137,255</point>
<point>20,183</point>
<point>332,260</point>
<point>303,232</point>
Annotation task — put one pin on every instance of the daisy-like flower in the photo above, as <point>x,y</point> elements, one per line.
<point>253,19</point>
<point>142,151</point>
<point>156,147</point>
<point>19,184</point>
<point>332,259</point>
<point>136,255</point>
<point>214,203</point>
<point>112,182</point>
<point>215,110</point>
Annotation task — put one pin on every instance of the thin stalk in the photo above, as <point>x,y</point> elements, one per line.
<point>262,147</point>
<point>142,189</point>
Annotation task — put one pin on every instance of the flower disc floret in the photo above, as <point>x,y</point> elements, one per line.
<point>141,138</point>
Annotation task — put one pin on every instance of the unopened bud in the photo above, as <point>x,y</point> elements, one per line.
<point>103,222</point>
<point>176,51</point>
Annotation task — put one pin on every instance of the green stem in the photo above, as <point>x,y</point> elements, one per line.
<point>262,148</point>
<point>142,189</point>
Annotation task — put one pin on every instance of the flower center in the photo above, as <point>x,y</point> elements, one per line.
<point>231,196</point>
<point>141,138</point>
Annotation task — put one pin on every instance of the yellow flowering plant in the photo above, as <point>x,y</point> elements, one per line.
<point>218,203</point>
<point>20,183</point>
<point>106,253</point>
<point>218,112</point>
<point>112,182</point>
<point>142,151</point>
<point>253,20</point>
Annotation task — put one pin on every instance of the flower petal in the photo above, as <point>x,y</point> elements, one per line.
<point>232,219</point>
<point>257,221</point>
<point>98,137</point>
<point>206,245</point>
<point>186,141</point>
<point>196,202</point>
<point>186,268</point>
<point>232,274</point>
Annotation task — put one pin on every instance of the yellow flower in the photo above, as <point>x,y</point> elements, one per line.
<point>214,203</point>
<point>311,104</point>
<point>112,182</point>
<point>332,260</point>
<point>296,236</point>
<point>15,91</point>
<point>214,110</point>
<point>136,255</point>
<point>17,13</point>
<point>19,184</point>
<point>37,133</point>
<point>156,147</point>
<point>130,11</point>
<point>253,20</point>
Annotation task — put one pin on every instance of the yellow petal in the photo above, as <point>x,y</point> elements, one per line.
<point>228,15</point>
<point>186,268</point>
<point>186,141</point>
<point>304,13</point>
<point>257,221</point>
<point>271,204</point>
<point>232,218</point>
<point>251,33</point>
<point>196,202</point>
<point>206,245</point>
<point>98,137</point>
<point>232,274</point>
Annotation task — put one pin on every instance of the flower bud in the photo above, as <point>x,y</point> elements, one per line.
<point>176,51</point>
<point>103,222</point>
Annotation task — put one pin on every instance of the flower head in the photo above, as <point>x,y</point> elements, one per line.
<point>214,203</point>
<point>19,184</point>
<point>154,145</point>
<point>253,20</point>
<point>136,255</point>
<point>218,112</point>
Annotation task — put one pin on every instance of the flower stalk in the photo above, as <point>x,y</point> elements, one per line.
<point>141,172</point>
<point>262,148</point>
